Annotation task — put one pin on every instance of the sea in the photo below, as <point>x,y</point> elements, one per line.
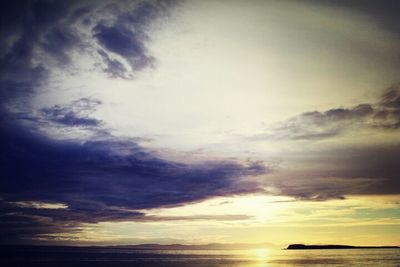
<point>26,256</point>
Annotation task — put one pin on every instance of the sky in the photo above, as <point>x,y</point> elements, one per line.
<point>195,122</point>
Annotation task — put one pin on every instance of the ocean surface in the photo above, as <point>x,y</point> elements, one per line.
<point>77,257</point>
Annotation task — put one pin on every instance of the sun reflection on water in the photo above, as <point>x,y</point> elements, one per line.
<point>261,256</point>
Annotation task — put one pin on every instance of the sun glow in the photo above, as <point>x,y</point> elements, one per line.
<point>261,255</point>
<point>258,208</point>
<point>263,220</point>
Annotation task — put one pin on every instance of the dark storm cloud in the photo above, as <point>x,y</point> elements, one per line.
<point>27,26</point>
<point>39,36</point>
<point>74,115</point>
<point>391,98</point>
<point>99,180</point>
<point>125,43</point>
<point>346,169</point>
<point>20,225</point>
<point>333,173</point>
<point>127,35</point>
<point>115,171</point>
<point>316,125</point>
<point>113,67</point>
<point>35,35</point>
<point>389,108</point>
<point>58,42</point>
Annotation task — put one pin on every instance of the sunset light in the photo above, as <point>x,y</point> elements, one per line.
<point>209,132</point>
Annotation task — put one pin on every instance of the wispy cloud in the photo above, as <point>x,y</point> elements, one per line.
<point>74,115</point>
<point>317,125</point>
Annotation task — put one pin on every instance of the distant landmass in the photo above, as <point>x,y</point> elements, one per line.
<point>151,246</point>
<point>211,246</point>
<point>302,246</point>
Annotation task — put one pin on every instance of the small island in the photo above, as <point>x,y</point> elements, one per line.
<point>302,246</point>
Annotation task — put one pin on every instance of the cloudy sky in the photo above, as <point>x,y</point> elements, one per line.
<point>126,122</point>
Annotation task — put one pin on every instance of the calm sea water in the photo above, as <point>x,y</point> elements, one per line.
<point>77,257</point>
